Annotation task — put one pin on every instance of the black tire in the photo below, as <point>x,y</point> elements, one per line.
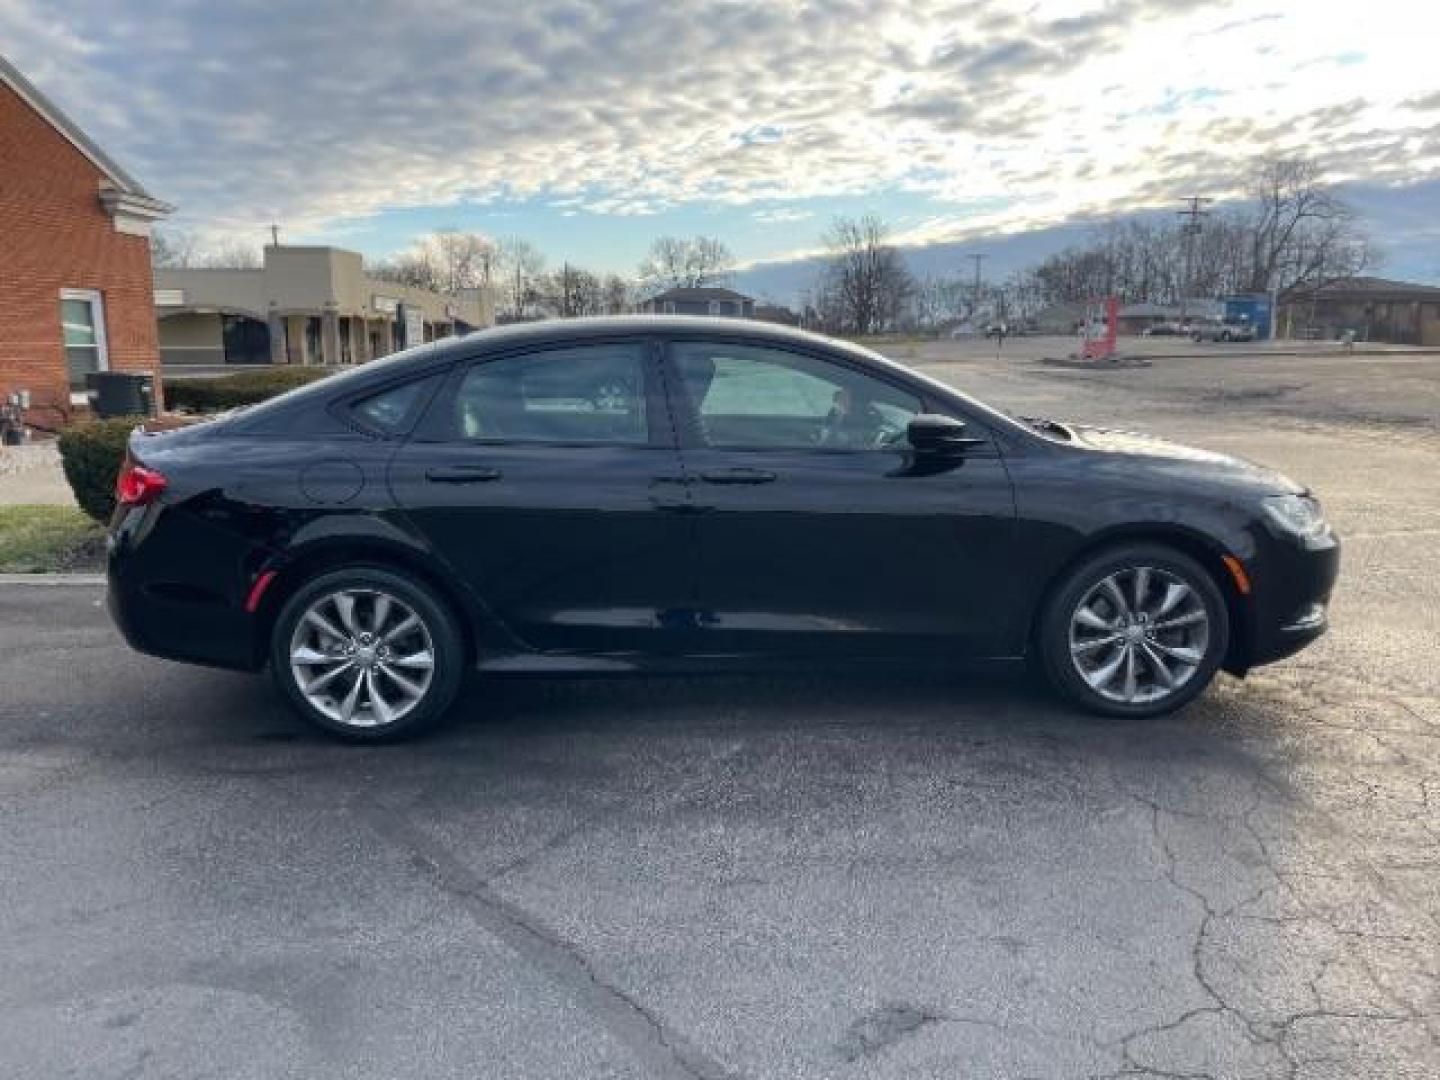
<point>1053,630</point>
<point>446,648</point>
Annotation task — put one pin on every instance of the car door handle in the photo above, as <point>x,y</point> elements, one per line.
<point>462,474</point>
<point>738,476</point>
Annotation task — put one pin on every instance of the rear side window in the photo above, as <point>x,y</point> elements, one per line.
<point>586,394</point>
<point>393,409</point>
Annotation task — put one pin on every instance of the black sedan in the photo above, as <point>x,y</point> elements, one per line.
<point>651,493</point>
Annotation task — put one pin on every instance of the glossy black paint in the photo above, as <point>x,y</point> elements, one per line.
<point>672,553</point>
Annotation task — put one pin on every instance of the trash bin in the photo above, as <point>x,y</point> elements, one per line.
<point>121,393</point>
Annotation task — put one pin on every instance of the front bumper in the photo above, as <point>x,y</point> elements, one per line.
<point>1291,598</point>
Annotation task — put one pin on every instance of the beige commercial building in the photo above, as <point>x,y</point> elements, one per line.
<point>306,305</point>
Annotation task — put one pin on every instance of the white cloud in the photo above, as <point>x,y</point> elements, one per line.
<point>777,215</point>
<point>317,114</point>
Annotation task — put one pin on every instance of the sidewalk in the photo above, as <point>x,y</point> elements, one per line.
<point>32,474</point>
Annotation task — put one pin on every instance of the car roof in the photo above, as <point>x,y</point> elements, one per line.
<point>554,330</point>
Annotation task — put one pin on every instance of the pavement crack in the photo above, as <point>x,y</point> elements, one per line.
<point>882,1028</point>
<point>662,1051</point>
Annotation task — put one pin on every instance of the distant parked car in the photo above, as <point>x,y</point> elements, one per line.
<point>1165,329</point>
<point>1216,330</point>
<point>997,329</point>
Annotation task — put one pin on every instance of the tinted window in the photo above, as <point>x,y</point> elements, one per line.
<point>391,409</point>
<point>745,396</point>
<point>587,394</point>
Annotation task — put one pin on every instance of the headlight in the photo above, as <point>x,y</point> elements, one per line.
<point>1298,515</point>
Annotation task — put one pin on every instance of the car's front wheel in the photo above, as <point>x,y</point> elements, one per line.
<point>367,653</point>
<point>1134,631</point>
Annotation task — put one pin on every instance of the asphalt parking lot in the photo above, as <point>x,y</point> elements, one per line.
<point>869,875</point>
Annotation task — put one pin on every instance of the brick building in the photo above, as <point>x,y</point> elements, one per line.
<point>75,287</point>
<point>1374,309</point>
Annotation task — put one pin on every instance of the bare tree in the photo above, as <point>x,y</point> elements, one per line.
<point>571,292</point>
<point>182,250</point>
<point>1302,233</point>
<point>518,269</point>
<point>445,261</point>
<point>171,249</point>
<point>1293,232</point>
<point>415,268</point>
<point>462,260</point>
<point>232,255</point>
<point>865,284</point>
<point>677,263</point>
<point>615,295</point>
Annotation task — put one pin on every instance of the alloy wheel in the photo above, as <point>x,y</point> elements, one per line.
<point>1139,634</point>
<point>362,657</point>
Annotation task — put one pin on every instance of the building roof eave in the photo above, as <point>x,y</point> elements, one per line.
<point>142,206</point>
<point>51,113</point>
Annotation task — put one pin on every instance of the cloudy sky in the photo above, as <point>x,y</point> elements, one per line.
<point>591,128</point>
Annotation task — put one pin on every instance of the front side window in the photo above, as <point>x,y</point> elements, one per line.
<point>753,397</point>
<point>586,394</point>
<point>82,324</point>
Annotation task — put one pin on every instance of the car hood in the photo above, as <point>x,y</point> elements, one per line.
<point>1180,459</point>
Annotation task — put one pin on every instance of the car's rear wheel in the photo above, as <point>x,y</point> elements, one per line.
<point>1134,631</point>
<point>367,653</point>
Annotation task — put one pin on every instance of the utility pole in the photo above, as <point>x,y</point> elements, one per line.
<point>979,258</point>
<point>275,235</point>
<point>1192,214</point>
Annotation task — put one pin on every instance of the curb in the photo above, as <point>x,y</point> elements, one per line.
<point>52,579</point>
<point>1222,350</point>
<point>1119,363</point>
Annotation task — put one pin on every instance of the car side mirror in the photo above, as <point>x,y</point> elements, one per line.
<point>939,436</point>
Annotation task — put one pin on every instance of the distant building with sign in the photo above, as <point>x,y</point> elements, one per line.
<point>305,305</point>
<point>75,283</point>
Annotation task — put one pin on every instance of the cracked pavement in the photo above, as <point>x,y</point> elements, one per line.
<point>868,875</point>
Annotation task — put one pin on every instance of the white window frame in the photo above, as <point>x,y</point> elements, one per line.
<point>96,299</point>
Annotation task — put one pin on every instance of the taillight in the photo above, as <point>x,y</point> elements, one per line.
<point>138,486</point>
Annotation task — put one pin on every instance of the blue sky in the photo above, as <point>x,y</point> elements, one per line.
<point>592,128</point>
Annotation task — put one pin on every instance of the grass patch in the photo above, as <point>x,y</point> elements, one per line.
<point>40,539</point>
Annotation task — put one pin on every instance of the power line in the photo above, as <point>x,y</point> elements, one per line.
<point>1193,214</point>
<point>979,258</point>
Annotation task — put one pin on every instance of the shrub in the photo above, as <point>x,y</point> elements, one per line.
<point>232,391</point>
<point>91,453</point>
